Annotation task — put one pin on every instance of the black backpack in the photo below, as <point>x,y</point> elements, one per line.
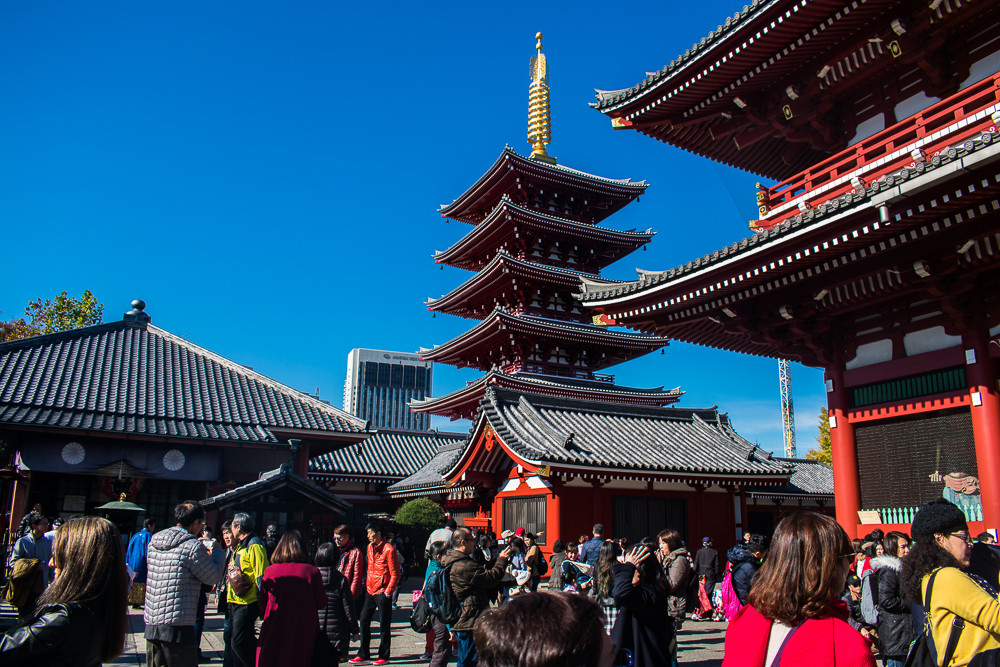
<point>923,653</point>
<point>441,598</point>
<point>543,565</point>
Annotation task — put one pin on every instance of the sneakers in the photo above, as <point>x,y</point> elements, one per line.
<point>358,660</point>
<point>381,661</point>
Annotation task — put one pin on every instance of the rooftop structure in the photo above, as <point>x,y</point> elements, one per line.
<point>380,384</point>
<point>535,238</point>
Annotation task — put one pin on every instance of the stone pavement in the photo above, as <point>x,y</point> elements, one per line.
<point>699,644</point>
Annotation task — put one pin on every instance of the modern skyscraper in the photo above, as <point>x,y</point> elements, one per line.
<point>380,384</point>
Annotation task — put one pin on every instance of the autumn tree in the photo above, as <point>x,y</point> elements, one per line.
<point>62,313</point>
<point>823,453</point>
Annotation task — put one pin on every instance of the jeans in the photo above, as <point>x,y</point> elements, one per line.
<point>383,605</point>
<point>244,642</point>
<point>466,649</point>
<point>199,619</point>
<point>227,642</point>
<point>894,662</point>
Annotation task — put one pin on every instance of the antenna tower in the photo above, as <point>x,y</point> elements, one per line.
<point>787,416</point>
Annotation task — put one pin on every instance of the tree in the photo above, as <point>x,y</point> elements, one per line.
<point>823,453</point>
<point>420,512</point>
<point>54,315</point>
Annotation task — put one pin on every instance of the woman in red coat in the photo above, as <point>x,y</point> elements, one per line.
<point>793,615</point>
<point>291,595</point>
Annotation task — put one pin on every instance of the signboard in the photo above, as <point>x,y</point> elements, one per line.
<point>869,516</point>
<point>74,504</point>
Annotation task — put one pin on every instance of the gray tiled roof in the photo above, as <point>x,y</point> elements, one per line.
<point>385,454</point>
<point>810,477</point>
<point>593,293</point>
<point>137,378</point>
<point>614,98</point>
<point>272,481</point>
<point>430,474</point>
<point>550,430</point>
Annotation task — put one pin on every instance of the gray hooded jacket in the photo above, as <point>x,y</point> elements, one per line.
<point>178,564</point>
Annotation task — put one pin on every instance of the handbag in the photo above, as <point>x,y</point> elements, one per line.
<point>237,580</point>
<point>420,617</point>
<point>324,654</point>
<point>923,653</point>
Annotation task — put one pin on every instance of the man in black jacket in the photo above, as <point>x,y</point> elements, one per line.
<point>706,564</point>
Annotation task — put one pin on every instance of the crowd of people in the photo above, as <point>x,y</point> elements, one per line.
<point>808,595</point>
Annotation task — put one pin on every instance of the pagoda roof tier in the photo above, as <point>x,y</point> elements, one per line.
<point>508,282</point>
<point>499,340</point>
<point>784,84</point>
<point>546,187</point>
<point>464,403</point>
<point>919,242</point>
<point>514,228</point>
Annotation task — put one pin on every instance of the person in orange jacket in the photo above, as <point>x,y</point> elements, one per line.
<point>382,579</point>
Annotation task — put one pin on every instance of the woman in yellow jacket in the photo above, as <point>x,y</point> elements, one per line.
<point>941,544</point>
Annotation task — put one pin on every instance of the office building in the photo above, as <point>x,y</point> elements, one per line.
<point>380,384</point>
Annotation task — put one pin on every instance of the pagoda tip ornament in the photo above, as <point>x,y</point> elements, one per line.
<point>539,118</point>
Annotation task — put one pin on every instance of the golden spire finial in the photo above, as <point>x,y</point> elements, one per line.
<point>539,119</point>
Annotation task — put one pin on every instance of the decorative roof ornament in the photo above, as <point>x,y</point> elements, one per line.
<point>539,118</point>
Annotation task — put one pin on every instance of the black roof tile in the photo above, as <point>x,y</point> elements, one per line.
<point>387,453</point>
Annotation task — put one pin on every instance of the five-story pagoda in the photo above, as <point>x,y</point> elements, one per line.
<point>535,237</point>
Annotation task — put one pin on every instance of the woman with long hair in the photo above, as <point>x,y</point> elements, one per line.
<point>604,582</point>
<point>941,547</point>
<point>291,595</point>
<point>794,613</point>
<point>677,564</point>
<point>338,618</point>
<point>81,618</point>
<point>644,626</point>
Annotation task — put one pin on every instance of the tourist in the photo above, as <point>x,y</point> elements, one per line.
<point>986,538</point>
<point>542,630</point>
<point>472,584</point>
<point>32,547</point>
<point>339,620</point>
<point>677,564</point>
<point>221,592</point>
<point>933,568</point>
<point>271,537</point>
<point>291,595</point>
<point>56,523</point>
<point>439,634</point>
<point>793,607</point>
<point>351,565</point>
<point>396,544</point>
<point>533,560</point>
<point>409,556</point>
<point>178,564</point>
<point>380,582</point>
<point>25,526</point>
<point>199,618</point>
<point>746,562</point>
<point>138,547</point>
<point>895,621</point>
<point>706,566</point>
<point>590,549</point>
<point>604,583</point>
<point>644,625</point>
<point>81,618</point>
<point>581,573</point>
<point>248,565</point>
<point>852,598</point>
<point>570,581</point>
<point>555,565</point>
<point>441,535</point>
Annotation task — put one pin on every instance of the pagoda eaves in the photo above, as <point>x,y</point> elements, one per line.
<point>526,233</point>
<point>545,187</point>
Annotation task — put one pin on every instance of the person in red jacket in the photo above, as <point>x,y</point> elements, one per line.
<point>382,579</point>
<point>793,616</point>
<point>351,565</point>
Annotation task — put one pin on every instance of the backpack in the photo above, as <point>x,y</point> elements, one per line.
<point>923,653</point>
<point>691,587</point>
<point>731,604</point>
<point>441,598</point>
<point>869,597</point>
<point>543,566</point>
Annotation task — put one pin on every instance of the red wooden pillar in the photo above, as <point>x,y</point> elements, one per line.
<point>982,378</point>
<point>17,504</point>
<point>301,465</point>
<point>597,501</point>
<point>846,482</point>
<point>553,531</point>
<point>699,515</point>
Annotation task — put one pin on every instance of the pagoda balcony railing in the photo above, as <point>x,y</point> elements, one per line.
<point>544,371</point>
<point>918,138</point>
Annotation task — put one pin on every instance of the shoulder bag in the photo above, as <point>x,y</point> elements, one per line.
<point>923,653</point>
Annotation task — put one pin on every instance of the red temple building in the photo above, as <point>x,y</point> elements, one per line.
<point>875,255</point>
<point>556,445</point>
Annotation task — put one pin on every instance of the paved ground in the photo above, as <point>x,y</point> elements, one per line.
<point>700,644</point>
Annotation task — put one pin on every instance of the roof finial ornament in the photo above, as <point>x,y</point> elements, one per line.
<point>539,118</point>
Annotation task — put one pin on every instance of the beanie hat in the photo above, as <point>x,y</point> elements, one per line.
<point>938,516</point>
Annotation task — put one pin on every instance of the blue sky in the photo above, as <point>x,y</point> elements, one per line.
<point>266,176</point>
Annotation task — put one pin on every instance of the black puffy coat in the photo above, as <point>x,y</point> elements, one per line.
<point>895,622</point>
<point>644,624</point>
<point>338,619</point>
<point>744,572</point>
<point>58,635</point>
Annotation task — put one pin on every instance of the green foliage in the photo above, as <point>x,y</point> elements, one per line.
<point>53,315</point>
<point>420,512</point>
<point>823,453</point>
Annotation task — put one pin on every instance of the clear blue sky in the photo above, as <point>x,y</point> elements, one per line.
<point>266,175</point>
